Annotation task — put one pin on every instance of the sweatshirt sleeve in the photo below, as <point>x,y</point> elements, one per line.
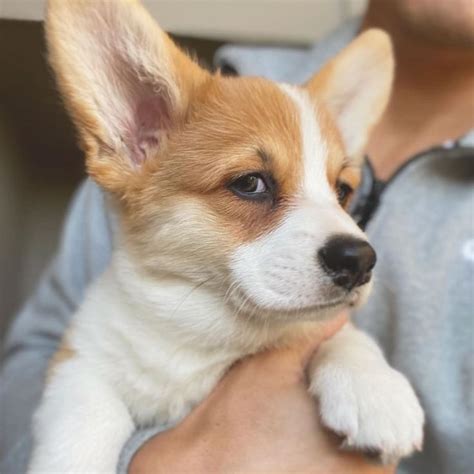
<point>138,439</point>
<point>35,334</point>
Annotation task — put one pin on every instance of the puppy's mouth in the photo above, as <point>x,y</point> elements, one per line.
<point>245,306</point>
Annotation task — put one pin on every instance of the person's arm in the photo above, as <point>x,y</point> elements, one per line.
<point>35,334</point>
<point>260,418</point>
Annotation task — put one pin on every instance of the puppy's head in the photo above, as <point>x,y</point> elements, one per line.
<point>239,184</point>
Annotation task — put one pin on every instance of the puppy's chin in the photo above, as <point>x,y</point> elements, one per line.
<point>246,308</point>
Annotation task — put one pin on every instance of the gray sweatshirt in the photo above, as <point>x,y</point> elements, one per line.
<point>421,312</point>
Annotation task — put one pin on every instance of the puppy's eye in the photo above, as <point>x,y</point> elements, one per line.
<point>250,186</point>
<point>344,192</point>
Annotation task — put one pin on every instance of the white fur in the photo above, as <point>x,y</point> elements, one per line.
<point>363,399</point>
<point>141,363</point>
<point>280,271</point>
<point>146,354</point>
<point>315,185</point>
<point>149,348</point>
<point>82,422</point>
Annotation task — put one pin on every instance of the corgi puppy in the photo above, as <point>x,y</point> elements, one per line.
<point>233,236</point>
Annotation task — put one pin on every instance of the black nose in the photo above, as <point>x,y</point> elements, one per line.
<point>347,260</point>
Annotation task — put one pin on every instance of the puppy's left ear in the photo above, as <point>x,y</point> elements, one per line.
<point>355,87</point>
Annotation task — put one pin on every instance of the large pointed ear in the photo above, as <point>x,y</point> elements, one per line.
<point>355,86</point>
<point>123,81</point>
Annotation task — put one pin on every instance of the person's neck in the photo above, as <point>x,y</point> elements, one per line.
<point>432,99</point>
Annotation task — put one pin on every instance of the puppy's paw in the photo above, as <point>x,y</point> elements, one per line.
<point>375,411</point>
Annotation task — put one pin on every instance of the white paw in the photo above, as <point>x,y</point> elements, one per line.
<point>374,410</point>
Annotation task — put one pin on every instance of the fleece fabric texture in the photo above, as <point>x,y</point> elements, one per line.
<point>421,311</point>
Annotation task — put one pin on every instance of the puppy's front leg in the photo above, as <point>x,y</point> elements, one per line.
<point>81,424</point>
<point>363,399</point>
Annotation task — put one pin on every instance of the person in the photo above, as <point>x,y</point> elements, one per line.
<point>416,201</point>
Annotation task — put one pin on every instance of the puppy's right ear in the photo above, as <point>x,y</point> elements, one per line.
<point>124,82</point>
<point>355,87</point>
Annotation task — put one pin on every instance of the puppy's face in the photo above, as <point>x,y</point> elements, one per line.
<point>239,184</point>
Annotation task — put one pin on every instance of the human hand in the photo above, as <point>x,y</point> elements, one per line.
<point>259,419</point>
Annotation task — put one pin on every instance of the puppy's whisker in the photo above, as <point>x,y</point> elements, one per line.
<point>234,287</point>
<point>241,306</point>
<point>194,288</point>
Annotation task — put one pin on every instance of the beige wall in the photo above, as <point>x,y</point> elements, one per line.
<point>11,222</point>
<point>40,164</point>
<point>297,21</point>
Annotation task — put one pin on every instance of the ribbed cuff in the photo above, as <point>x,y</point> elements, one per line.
<point>134,443</point>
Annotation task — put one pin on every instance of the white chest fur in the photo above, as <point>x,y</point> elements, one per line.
<point>147,352</point>
<point>161,344</point>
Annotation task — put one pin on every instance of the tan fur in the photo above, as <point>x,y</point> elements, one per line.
<point>334,85</point>
<point>221,126</point>
<point>63,354</point>
<point>226,130</point>
<point>218,128</point>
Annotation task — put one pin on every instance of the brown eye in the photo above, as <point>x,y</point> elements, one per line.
<point>344,192</point>
<point>250,186</point>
